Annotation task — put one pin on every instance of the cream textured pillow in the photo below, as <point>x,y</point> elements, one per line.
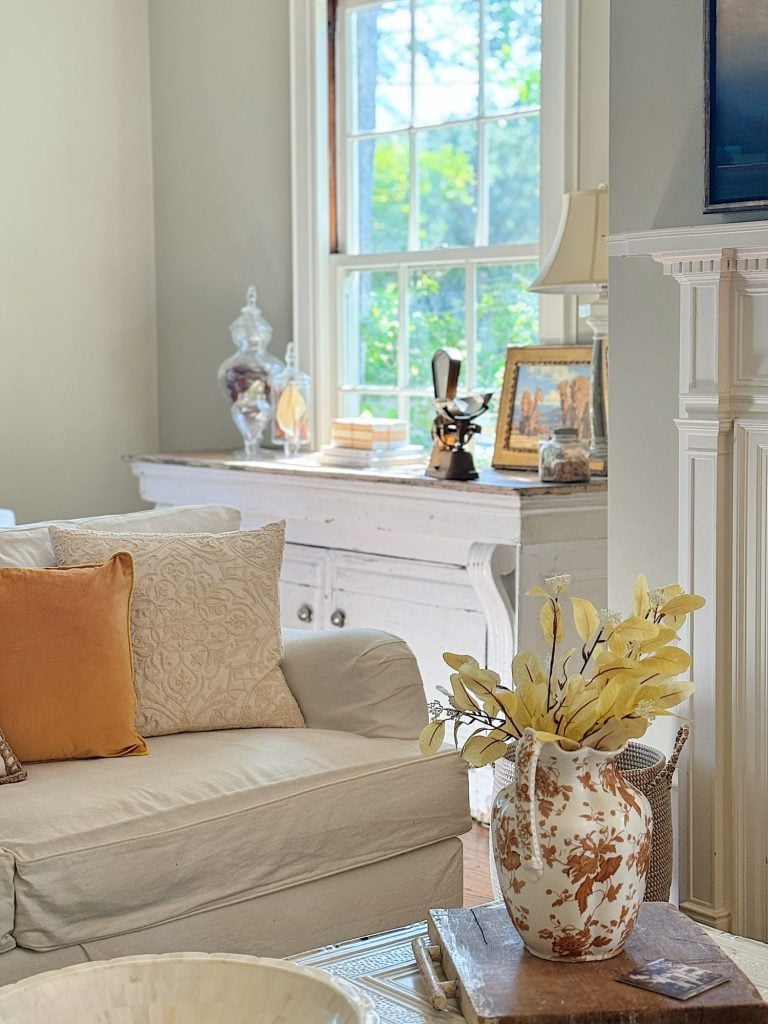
<point>29,546</point>
<point>205,626</point>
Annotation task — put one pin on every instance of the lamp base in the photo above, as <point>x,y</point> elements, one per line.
<point>598,399</point>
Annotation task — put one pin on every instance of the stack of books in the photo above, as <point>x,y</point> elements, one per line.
<point>370,442</point>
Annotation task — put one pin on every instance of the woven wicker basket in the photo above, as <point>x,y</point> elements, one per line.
<point>650,772</point>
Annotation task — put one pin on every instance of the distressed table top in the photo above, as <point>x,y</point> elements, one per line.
<point>383,966</point>
<point>492,481</point>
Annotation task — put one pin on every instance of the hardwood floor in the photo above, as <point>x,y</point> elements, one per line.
<point>477,879</point>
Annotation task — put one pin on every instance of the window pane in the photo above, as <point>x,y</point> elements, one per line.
<point>484,442</point>
<point>446,61</point>
<point>512,148</point>
<point>382,171</point>
<point>376,405</point>
<point>421,412</point>
<point>371,330</point>
<point>507,314</point>
<point>379,51</point>
<point>512,54</point>
<point>436,306</point>
<point>447,168</point>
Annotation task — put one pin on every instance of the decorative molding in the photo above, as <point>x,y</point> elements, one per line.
<point>750,673</point>
<point>704,914</point>
<point>704,551</point>
<point>722,271</point>
<point>752,329</point>
<point>702,242</point>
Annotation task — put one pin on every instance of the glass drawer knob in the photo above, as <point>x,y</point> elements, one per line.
<point>338,618</point>
<point>305,613</point>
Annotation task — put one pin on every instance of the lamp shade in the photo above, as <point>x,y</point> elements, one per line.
<point>578,261</point>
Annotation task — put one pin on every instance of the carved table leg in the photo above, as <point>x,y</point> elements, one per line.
<point>486,565</point>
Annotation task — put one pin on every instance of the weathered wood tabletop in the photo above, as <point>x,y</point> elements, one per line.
<point>500,983</point>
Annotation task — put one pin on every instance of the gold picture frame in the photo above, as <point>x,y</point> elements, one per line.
<point>545,386</point>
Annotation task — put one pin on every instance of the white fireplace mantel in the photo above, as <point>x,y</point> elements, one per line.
<point>722,270</point>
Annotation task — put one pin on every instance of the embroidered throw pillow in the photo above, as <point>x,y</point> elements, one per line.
<point>205,626</point>
<point>10,766</point>
<point>66,676</point>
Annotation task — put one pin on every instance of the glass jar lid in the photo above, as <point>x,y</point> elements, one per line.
<point>251,328</point>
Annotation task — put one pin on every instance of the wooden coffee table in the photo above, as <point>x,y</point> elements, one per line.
<point>383,966</point>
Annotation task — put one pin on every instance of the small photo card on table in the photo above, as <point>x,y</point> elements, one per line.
<point>668,978</point>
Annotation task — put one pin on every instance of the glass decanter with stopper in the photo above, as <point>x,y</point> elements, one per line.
<point>291,398</point>
<point>245,378</point>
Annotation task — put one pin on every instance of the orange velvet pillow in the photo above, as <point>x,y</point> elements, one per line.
<point>66,674</point>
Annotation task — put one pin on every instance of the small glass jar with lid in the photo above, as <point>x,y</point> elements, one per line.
<point>564,458</point>
<point>291,397</point>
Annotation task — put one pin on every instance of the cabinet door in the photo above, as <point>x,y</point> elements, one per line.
<point>302,587</point>
<point>431,606</point>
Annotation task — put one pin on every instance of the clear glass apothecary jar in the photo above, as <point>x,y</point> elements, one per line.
<point>245,378</point>
<point>564,458</point>
<point>291,398</point>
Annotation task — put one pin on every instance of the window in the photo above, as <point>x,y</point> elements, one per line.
<point>391,276</point>
<point>438,139</point>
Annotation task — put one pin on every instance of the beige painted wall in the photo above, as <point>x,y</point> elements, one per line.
<point>77,328</point>
<point>594,42</point>
<point>221,129</point>
<point>657,180</point>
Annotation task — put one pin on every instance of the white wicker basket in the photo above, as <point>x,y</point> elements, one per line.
<point>185,988</point>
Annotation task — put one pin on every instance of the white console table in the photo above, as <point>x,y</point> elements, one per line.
<point>443,564</point>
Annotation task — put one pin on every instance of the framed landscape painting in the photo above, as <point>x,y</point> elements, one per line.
<point>545,386</point>
<point>736,130</point>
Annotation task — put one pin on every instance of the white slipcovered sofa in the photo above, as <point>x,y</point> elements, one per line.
<point>261,841</point>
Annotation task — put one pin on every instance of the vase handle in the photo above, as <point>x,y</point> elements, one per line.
<point>527,753</point>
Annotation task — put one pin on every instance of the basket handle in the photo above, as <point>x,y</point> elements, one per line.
<point>668,770</point>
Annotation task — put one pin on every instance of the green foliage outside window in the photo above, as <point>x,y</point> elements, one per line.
<point>446,165</point>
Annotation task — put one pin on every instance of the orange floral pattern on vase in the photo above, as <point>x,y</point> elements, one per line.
<point>572,843</point>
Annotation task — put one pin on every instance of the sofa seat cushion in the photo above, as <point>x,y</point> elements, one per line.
<point>102,848</point>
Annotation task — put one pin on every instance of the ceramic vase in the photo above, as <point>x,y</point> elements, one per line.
<point>572,841</point>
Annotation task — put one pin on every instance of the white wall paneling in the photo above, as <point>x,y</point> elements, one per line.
<point>722,271</point>
<point>750,659</point>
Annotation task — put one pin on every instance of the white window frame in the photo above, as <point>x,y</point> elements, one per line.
<point>318,275</point>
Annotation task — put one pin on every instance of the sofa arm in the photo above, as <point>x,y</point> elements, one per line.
<point>355,680</point>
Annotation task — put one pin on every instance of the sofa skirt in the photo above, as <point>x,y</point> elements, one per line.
<point>375,897</point>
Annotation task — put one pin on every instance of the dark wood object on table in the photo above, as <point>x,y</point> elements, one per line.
<point>497,982</point>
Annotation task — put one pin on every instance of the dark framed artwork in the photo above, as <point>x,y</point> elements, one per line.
<point>736,100</point>
<point>545,386</point>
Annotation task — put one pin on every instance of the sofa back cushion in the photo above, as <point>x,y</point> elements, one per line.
<point>66,676</point>
<point>30,545</point>
<point>205,626</point>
